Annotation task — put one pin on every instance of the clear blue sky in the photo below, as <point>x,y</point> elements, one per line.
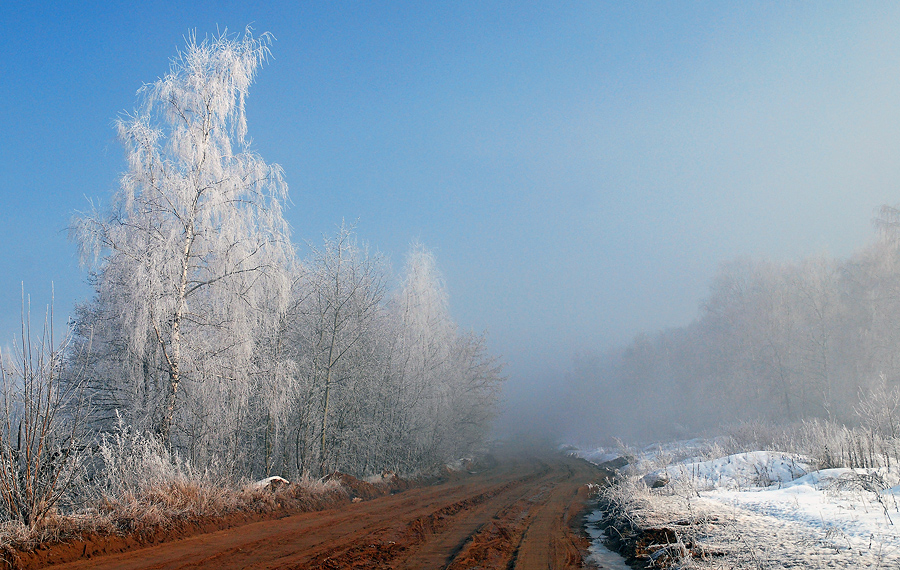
<point>580,169</point>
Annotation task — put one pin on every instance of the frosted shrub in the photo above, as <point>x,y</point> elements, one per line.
<point>826,443</point>
<point>139,481</point>
<point>628,500</point>
<point>836,445</point>
<point>753,435</point>
<point>135,463</point>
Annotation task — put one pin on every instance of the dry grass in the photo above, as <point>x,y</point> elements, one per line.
<point>162,509</point>
<point>185,500</point>
<point>133,485</point>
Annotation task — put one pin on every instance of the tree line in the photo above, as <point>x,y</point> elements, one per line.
<point>779,342</point>
<point>208,330</point>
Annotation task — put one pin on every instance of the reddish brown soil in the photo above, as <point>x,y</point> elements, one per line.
<point>522,513</point>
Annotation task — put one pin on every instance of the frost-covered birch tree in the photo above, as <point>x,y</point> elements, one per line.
<point>420,358</point>
<point>191,259</point>
<point>444,386</point>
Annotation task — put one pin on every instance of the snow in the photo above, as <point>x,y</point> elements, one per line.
<point>737,471</point>
<point>275,480</point>
<point>600,556</point>
<point>596,456</point>
<point>836,506</point>
<point>774,510</point>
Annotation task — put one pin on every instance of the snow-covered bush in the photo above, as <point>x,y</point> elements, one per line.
<point>133,463</point>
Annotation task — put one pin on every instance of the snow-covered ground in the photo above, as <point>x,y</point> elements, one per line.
<point>767,509</point>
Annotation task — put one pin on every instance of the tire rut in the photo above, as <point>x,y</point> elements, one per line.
<point>496,519</point>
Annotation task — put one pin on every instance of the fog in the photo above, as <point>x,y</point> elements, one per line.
<point>775,343</point>
<point>585,175</point>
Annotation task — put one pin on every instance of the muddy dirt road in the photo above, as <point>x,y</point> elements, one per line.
<point>520,514</point>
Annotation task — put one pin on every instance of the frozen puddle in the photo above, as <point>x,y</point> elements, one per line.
<point>600,556</point>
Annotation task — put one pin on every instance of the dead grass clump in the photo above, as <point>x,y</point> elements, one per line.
<point>304,495</point>
<point>158,507</point>
<point>135,490</point>
<point>180,501</point>
<point>358,488</point>
<point>156,515</point>
<point>169,509</point>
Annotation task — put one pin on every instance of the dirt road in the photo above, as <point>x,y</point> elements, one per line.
<point>520,514</point>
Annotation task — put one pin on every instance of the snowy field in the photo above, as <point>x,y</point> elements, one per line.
<point>763,509</point>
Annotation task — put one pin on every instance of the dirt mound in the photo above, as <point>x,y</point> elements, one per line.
<point>387,484</point>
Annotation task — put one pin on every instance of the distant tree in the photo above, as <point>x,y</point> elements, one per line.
<point>192,258</point>
<point>817,291</point>
<point>887,222</point>
<point>445,384</point>
<point>753,326</point>
<point>421,356</point>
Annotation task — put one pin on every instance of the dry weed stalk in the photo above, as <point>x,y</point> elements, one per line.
<point>42,421</point>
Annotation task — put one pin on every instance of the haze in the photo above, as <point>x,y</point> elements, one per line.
<point>580,171</point>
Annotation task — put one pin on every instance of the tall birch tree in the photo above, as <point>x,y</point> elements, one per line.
<point>194,248</point>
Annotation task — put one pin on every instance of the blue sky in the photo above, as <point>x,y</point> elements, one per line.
<point>580,169</point>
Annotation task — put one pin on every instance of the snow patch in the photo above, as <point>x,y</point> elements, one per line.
<point>737,471</point>
<point>771,506</point>
<point>269,482</point>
